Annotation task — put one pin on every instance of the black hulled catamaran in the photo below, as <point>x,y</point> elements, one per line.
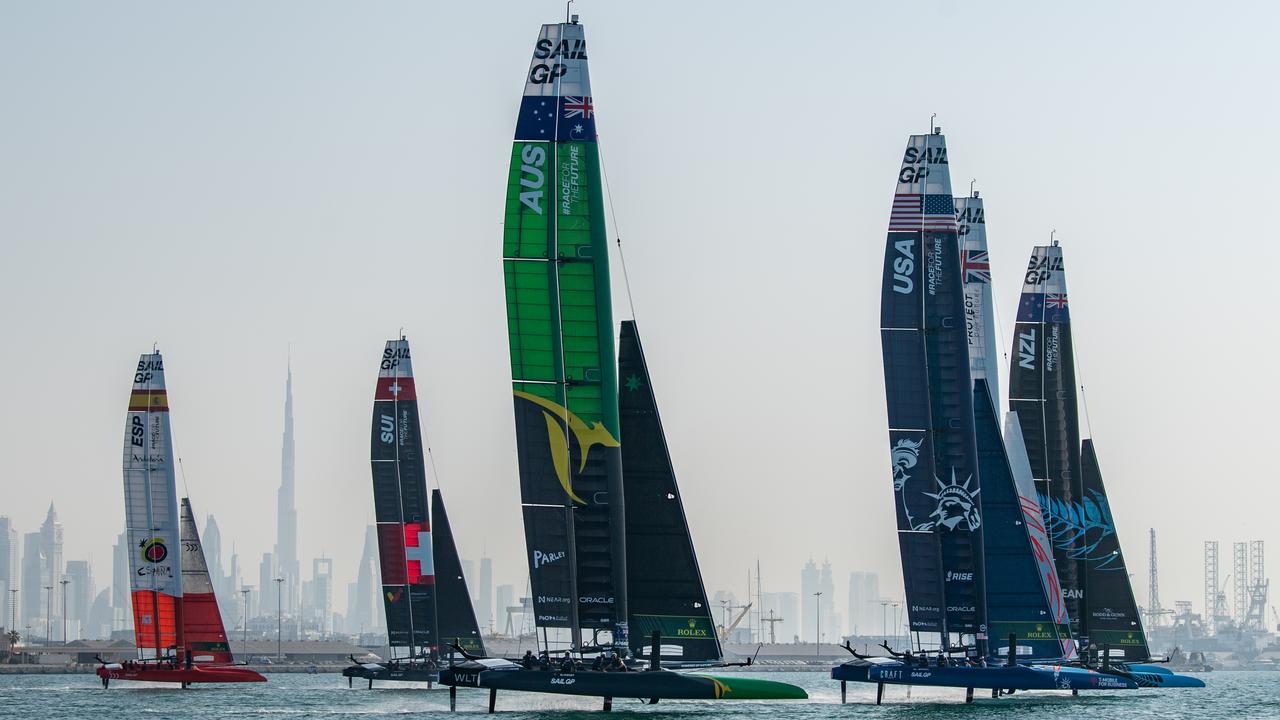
<point>596,584</point>
<point>975,547</point>
<point>1068,478</point>
<point>424,593</point>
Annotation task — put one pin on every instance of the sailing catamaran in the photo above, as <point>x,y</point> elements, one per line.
<point>974,546</point>
<point>177,626</point>
<point>592,571</point>
<point>1067,476</point>
<point>423,590</point>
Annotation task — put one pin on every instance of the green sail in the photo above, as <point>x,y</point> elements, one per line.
<point>560,325</point>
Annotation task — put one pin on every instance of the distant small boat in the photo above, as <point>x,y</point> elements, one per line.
<point>177,626</point>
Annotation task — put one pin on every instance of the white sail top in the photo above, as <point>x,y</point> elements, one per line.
<point>975,264</point>
<point>151,501</point>
<point>559,65</point>
<point>1045,273</point>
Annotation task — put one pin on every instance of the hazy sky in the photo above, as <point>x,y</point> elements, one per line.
<point>225,179</point>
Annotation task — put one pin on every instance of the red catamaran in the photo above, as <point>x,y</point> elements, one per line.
<point>177,627</point>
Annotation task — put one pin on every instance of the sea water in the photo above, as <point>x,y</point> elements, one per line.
<point>1232,695</point>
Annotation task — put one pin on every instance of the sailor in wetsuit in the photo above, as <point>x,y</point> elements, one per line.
<point>566,664</point>
<point>528,662</point>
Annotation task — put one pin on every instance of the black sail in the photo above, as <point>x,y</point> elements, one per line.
<point>400,506</point>
<point>664,583</point>
<point>1111,609</point>
<point>455,617</point>
<point>930,402</point>
<point>1042,391</point>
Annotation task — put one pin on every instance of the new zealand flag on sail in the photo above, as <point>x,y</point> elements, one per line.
<point>1052,306</point>
<point>539,115</point>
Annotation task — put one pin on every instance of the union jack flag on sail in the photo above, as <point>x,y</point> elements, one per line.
<point>577,107</point>
<point>977,266</point>
<point>1055,301</point>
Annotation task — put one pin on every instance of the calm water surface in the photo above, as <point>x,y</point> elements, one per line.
<point>1233,695</point>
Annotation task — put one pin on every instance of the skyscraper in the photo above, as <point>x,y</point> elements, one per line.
<point>366,614</point>
<point>506,598</point>
<point>33,581</point>
<point>267,586</point>
<point>831,629</point>
<point>9,571</point>
<point>809,604</point>
<point>484,608</point>
<point>121,601</point>
<point>51,549</point>
<point>79,594</point>
<point>864,603</point>
<point>286,553</point>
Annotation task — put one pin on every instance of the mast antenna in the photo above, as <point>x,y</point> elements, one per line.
<point>932,130</point>
<point>401,332</point>
<point>1051,240</point>
<point>972,192</point>
<point>568,18</point>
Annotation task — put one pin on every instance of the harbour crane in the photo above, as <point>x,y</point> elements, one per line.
<point>725,630</point>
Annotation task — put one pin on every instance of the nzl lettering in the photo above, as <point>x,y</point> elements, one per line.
<point>1027,350</point>
<point>387,428</point>
<point>532,177</point>
<point>903,266</point>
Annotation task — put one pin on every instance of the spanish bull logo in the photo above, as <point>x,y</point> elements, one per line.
<point>557,417</point>
<point>154,550</point>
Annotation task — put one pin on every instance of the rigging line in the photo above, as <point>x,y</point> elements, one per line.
<point>613,214</point>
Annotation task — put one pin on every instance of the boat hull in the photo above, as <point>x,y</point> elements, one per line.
<point>186,676</point>
<point>399,674</point>
<point>1017,677</point>
<point>657,684</point>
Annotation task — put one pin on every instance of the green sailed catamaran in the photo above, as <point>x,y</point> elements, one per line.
<point>578,482</point>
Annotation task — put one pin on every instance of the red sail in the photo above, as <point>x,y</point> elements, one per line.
<point>204,638</point>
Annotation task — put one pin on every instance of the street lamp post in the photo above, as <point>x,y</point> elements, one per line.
<point>48,617</point>
<point>884,628</point>
<point>279,614</point>
<point>64,582</point>
<point>244,642</point>
<point>817,628</point>
<point>13,609</point>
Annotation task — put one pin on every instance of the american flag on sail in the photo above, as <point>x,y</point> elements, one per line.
<point>913,211</point>
<point>977,266</point>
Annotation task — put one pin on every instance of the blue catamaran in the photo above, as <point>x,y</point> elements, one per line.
<point>991,572</point>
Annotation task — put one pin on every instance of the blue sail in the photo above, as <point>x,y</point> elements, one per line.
<point>930,402</point>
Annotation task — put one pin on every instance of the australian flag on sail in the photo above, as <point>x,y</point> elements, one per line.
<point>1043,307</point>
<point>539,115</point>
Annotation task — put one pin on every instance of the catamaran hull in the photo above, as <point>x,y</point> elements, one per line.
<point>1017,677</point>
<point>185,676</point>
<point>386,673</point>
<point>658,684</point>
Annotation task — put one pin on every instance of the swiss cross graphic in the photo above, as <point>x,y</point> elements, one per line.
<point>417,554</point>
<point>394,388</point>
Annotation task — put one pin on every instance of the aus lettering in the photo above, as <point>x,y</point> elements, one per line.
<point>533,178</point>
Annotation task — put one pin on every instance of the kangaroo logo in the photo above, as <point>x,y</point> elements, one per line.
<point>557,417</point>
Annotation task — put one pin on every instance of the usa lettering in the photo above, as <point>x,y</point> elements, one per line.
<point>532,177</point>
<point>903,266</point>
